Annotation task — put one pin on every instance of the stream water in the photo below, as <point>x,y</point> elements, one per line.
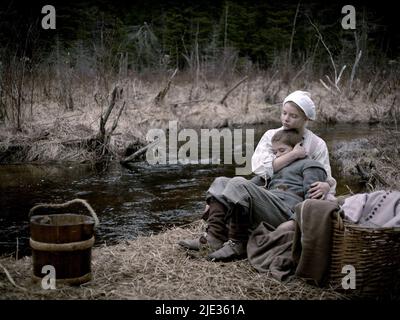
<point>129,202</point>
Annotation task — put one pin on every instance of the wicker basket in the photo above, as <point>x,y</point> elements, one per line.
<point>373,252</point>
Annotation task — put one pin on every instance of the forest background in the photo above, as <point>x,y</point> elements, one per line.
<point>203,63</point>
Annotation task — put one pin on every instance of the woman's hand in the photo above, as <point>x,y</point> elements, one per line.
<point>299,151</point>
<point>319,190</point>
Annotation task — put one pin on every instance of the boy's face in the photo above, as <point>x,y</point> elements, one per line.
<point>292,117</point>
<point>279,148</point>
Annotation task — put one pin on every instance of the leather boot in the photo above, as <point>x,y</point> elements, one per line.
<point>230,251</point>
<point>216,232</point>
<point>206,240</point>
<point>217,220</point>
<point>238,232</point>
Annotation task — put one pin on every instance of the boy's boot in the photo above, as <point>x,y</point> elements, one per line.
<point>216,233</point>
<point>231,250</point>
<point>235,247</point>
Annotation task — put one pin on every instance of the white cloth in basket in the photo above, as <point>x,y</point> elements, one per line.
<point>375,209</point>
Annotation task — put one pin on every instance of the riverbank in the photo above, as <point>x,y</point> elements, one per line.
<point>50,133</point>
<point>374,160</point>
<point>156,267</point>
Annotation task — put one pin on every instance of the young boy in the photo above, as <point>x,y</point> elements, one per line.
<point>243,204</point>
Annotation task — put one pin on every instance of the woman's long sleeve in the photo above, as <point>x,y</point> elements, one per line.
<point>261,161</point>
<point>322,156</point>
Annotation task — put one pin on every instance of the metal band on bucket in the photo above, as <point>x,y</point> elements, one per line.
<point>71,246</point>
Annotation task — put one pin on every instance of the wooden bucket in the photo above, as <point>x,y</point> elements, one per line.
<point>63,241</point>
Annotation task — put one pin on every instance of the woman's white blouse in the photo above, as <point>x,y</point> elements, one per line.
<point>261,161</point>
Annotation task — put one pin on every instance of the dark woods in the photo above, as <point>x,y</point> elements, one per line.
<point>211,40</point>
<point>156,33</point>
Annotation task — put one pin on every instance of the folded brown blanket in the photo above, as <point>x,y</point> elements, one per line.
<point>271,250</point>
<point>312,243</point>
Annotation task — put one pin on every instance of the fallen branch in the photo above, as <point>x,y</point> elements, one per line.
<point>138,153</point>
<point>175,104</point>
<point>233,88</point>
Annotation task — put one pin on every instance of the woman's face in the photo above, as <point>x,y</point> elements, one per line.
<point>292,117</point>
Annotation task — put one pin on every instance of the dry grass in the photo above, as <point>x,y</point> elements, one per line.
<point>386,163</point>
<point>347,154</point>
<point>156,267</point>
<point>378,156</point>
<point>256,100</point>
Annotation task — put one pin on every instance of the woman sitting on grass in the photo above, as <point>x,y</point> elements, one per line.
<point>297,109</point>
<point>251,204</point>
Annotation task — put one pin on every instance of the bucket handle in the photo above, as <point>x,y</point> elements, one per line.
<point>66,204</point>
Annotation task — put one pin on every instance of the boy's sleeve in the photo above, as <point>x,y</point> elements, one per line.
<point>312,172</point>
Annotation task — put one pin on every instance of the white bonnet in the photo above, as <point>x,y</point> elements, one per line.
<point>303,100</point>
